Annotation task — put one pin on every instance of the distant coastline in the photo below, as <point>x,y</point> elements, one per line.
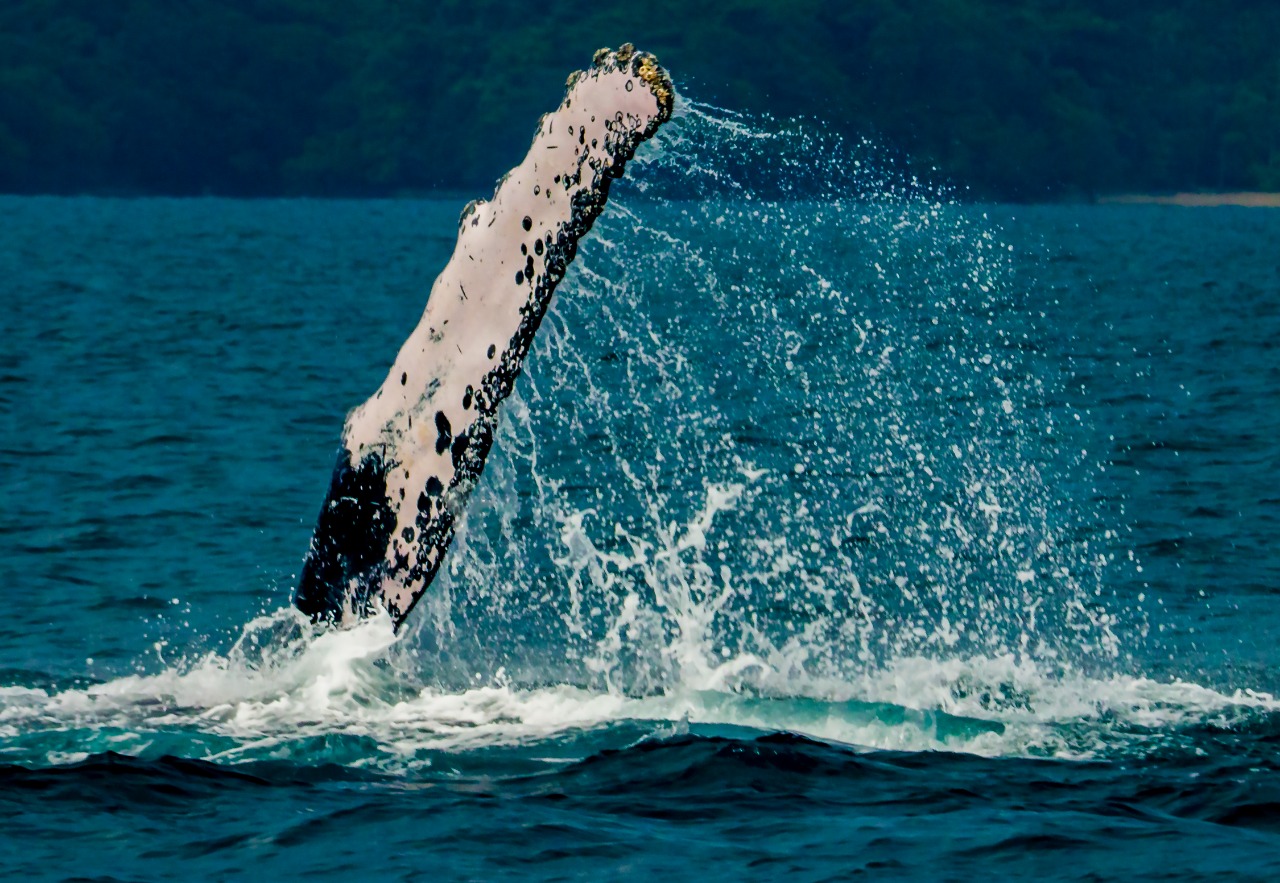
<point>1193,199</point>
<point>1015,103</point>
<point>1248,199</point>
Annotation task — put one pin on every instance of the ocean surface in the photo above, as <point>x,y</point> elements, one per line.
<point>837,528</point>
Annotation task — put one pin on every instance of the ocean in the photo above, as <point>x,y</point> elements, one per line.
<point>837,527</point>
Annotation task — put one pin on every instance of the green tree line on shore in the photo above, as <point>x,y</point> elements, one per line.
<point>1043,99</point>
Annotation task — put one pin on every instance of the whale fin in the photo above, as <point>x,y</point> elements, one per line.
<point>412,453</point>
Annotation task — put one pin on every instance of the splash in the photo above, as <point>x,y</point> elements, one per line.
<point>289,692</point>
<point>789,421</point>
<point>787,457</point>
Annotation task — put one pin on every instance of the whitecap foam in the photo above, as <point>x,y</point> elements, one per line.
<point>316,696</point>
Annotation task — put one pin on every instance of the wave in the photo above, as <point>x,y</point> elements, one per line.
<point>286,692</point>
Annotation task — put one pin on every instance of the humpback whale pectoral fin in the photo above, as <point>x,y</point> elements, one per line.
<point>414,450</point>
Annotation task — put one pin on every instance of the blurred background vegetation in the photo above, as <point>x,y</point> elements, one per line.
<point>1034,100</point>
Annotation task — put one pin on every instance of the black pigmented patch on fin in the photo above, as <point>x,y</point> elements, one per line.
<point>345,560</point>
<point>459,448</point>
<point>443,434</point>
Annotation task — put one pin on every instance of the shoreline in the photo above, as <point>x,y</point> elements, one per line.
<point>1185,199</point>
<point>1191,199</point>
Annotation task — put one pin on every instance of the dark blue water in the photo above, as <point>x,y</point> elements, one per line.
<point>834,529</point>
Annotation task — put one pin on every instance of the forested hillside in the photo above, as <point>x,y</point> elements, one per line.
<point>1035,100</point>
